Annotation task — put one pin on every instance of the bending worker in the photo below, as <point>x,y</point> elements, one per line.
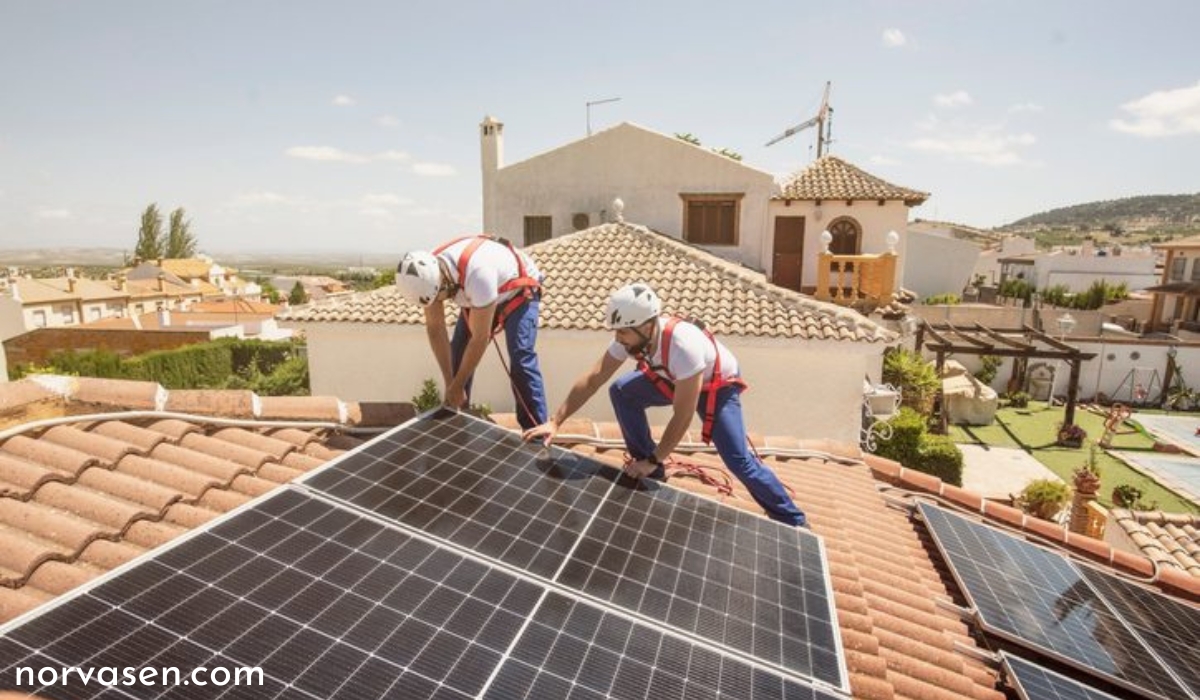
<point>496,287</point>
<point>682,365</point>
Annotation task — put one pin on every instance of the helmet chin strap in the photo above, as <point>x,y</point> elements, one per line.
<point>447,284</point>
<point>641,348</point>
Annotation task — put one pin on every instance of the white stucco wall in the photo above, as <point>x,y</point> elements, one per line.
<point>647,170</point>
<point>1078,272</point>
<point>938,265</point>
<point>810,390</point>
<point>876,221</point>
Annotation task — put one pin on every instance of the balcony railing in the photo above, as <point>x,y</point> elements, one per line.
<point>848,279</point>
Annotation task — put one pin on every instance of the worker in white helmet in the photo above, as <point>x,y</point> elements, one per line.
<point>497,287</point>
<point>680,364</point>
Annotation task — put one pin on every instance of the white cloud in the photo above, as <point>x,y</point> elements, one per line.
<point>325,153</point>
<point>330,154</point>
<point>894,38</point>
<point>1162,113</point>
<point>958,98</point>
<point>985,146</point>
<point>930,122</point>
<point>387,121</point>
<point>54,214</point>
<point>343,101</point>
<point>376,212</point>
<point>1025,107</point>
<point>434,169</point>
<point>883,160</point>
<point>391,156</point>
<point>385,199</point>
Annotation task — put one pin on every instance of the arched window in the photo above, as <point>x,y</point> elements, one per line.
<point>847,236</point>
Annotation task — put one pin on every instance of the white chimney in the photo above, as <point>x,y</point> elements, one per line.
<point>491,158</point>
<point>164,317</point>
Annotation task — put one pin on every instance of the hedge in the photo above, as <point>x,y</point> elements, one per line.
<point>913,446</point>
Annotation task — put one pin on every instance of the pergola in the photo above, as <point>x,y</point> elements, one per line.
<point>1021,343</point>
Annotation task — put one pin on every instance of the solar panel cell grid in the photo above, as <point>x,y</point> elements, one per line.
<point>1034,682</point>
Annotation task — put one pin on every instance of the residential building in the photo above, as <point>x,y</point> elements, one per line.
<point>938,264</point>
<point>1177,293</point>
<point>688,192</point>
<point>805,359</point>
<point>1078,269</point>
<point>316,287</point>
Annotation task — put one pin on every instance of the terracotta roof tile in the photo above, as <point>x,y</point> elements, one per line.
<point>206,402</point>
<point>188,516</point>
<point>168,475</point>
<point>832,178</point>
<point>14,602</point>
<point>99,507</point>
<point>145,440</point>
<point>225,450</point>
<point>252,485</point>
<point>310,408</point>
<point>223,470</point>
<point>109,555</point>
<point>302,462</point>
<point>1171,539</point>
<point>56,457</point>
<point>149,535</point>
<point>108,450</point>
<point>174,428</point>
<point>126,393</point>
<point>16,395</point>
<point>278,449</point>
<point>19,478</point>
<point>299,438</point>
<point>130,488</point>
<point>583,268</point>
<point>59,577</point>
<point>278,473</point>
<point>220,501</point>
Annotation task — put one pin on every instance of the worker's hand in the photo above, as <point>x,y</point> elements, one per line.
<point>544,432</point>
<point>456,397</point>
<point>640,469</point>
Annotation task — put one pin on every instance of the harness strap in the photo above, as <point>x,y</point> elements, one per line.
<point>666,385</point>
<point>527,286</point>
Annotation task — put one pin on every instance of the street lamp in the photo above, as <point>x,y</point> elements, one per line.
<point>1066,324</point>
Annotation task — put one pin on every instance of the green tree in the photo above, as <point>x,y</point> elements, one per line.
<point>298,295</point>
<point>269,291</point>
<point>150,235</point>
<point>180,241</point>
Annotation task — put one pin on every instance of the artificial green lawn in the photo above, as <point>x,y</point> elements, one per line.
<point>1034,429</point>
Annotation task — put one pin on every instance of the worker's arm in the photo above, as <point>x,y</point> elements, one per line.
<point>687,395</point>
<point>586,385</point>
<point>479,322</point>
<point>439,338</point>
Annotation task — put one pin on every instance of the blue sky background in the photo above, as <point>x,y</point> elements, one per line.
<point>352,126</point>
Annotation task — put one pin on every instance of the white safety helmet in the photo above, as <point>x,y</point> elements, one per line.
<point>419,277</point>
<point>631,306</point>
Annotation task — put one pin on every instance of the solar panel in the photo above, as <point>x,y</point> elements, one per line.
<point>722,574</point>
<point>577,650</point>
<point>475,485</point>
<point>447,560</point>
<point>1169,627</point>
<point>328,603</point>
<point>1036,598</point>
<point>740,581</point>
<point>1034,682</point>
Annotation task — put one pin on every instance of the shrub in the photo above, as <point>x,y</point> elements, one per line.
<point>913,446</point>
<point>1018,399</point>
<point>986,373</point>
<point>917,379</point>
<point>1044,498</point>
<point>948,299</point>
<point>1126,496</point>
<point>429,398</point>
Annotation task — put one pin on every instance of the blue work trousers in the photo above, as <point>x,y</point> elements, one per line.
<point>633,393</point>
<point>520,335</point>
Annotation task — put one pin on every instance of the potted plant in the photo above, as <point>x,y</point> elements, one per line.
<point>1044,498</point>
<point>1087,477</point>
<point>1071,436</point>
<point>1126,496</point>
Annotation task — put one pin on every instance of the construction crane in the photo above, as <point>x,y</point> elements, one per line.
<point>822,121</point>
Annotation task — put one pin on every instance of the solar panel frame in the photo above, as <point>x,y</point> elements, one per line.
<point>1015,587</point>
<point>1036,682</point>
<point>330,564</point>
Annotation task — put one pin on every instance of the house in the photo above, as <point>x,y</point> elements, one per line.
<point>690,193</point>
<point>316,287</point>
<point>938,264</point>
<point>1177,294</point>
<point>805,359</point>
<point>91,493</point>
<point>1078,269</point>
<point>201,274</point>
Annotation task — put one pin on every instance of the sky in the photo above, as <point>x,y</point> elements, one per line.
<point>352,126</point>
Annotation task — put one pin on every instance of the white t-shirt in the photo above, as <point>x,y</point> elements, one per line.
<point>491,265</point>
<point>691,351</point>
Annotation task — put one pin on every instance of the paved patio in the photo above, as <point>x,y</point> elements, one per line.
<point>997,472</point>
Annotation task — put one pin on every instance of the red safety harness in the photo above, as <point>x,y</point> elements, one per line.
<point>527,285</point>
<point>666,385</point>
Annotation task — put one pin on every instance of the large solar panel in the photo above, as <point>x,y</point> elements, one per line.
<point>1036,598</point>
<point>405,601</point>
<point>1034,682</point>
<point>1169,627</point>
<point>742,582</point>
<point>327,603</point>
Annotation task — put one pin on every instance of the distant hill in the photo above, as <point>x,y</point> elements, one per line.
<point>1153,212</point>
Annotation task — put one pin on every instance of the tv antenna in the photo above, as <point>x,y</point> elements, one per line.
<point>589,110</point>
<point>822,121</point>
